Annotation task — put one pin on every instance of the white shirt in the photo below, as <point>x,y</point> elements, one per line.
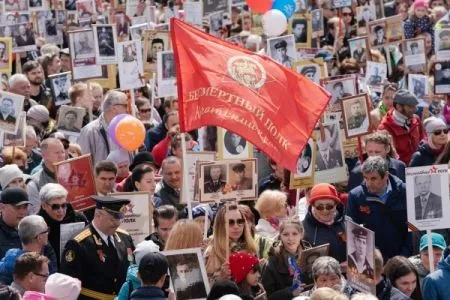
<point>102,235</point>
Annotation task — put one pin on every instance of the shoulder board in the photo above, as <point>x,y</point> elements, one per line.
<point>122,231</point>
<point>82,235</point>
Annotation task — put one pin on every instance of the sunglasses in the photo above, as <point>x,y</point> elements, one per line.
<point>326,207</point>
<point>58,206</point>
<point>347,14</point>
<point>238,222</point>
<point>439,132</point>
<point>145,110</point>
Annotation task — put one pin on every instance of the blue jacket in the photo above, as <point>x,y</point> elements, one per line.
<point>7,265</point>
<point>435,285</point>
<point>154,136</point>
<point>396,168</point>
<point>388,221</point>
<point>148,293</point>
<point>424,156</point>
<point>132,278</point>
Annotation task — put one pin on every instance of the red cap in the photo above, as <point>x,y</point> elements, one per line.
<point>241,263</point>
<point>323,191</point>
<point>421,4</point>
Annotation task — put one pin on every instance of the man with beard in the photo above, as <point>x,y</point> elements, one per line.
<point>39,92</point>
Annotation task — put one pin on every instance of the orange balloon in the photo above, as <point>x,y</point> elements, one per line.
<point>260,6</point>
<point>130,133</point>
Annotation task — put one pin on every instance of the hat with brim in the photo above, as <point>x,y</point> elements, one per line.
<point>113,206</point>
<point>14,196</point>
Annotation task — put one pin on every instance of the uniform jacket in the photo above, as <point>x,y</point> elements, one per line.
<point>92,140</point>
<point>334,160</point>
<point>368,271</point>
<point>388,220</point>
<point>405,141</point>
<point>424,156</point>
<point>210,187</point>
<point>433,208</point>
<point>435,285</point>
<point>317,234</point>
<point>100,268</point>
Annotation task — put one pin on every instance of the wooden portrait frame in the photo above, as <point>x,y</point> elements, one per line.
<point>8,47</point>
<point>304,18</point>
<point>361,98</point>
<point>223,153</point>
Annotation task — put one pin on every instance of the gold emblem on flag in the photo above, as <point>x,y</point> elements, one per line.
<point>247,71</point>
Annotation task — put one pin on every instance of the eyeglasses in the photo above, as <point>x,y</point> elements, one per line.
<point>144,111</point>
<point>58,206</point>
<point>439,132</point>
<point>321,207</point>
<point>239,222</point>
<point>347,14</point>
<point>42,275</point>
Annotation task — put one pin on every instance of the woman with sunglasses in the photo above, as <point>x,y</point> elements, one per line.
<point>433,145</point>
<point>324,222</point>
<point>56,210</point>
<point>239,239</point>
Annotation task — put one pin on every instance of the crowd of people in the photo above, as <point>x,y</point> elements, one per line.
<point>250,249</point>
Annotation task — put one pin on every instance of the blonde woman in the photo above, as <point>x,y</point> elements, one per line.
<point>184,234</point>
<point>271,206</point>
<point>239,239</point>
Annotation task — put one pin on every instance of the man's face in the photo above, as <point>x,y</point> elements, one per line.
<point>36,76</point>
<point>356,109</point>
<point>414,50</point>
<point>62,83</point>
<point>164,227</point>
<point>172,121</point>
<point>156,47</point>
<point>376,149</point>
<point>97,94</point>
<point>338,90</point>
<point>366,14</point>
<point>298,30</point>
<point>281,53</point>
<point>360,245</point>
<point>182,271</point>
<point>54,153</point>
<point>21,30</point>
<point>169,62</point>
<point>380,34</point>
<point>6,107</point>
<point>446,73</point>
<point>215,173</point>
<point>12,214</point>
<point>107,221</point>
<point>239,176</point>
<point>22,87</point>
<point>374,182</point>
<point>445,41</point>
<point>37,281</point>
<point>323,145</point>
<point>407,110</point>
<point>172,175</point>
<point>70,120</point>
<point>105,182</point>
<point>66,64</point>
<point>235,139</point>
<point>423,184</point>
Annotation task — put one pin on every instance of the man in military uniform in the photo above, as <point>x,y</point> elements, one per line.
<point>357,260</point>
<point>241,182</point>
<point>357,117</point>
<point>215,184</point>
<point>281,55</point>
<point>100,255</point>
<point>310,72</point>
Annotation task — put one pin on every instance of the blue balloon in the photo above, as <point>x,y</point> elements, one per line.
<point>287,7</point>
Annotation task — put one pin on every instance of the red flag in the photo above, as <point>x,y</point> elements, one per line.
<point>250,94</point>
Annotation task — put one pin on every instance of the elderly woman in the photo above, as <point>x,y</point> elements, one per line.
<point>271,206</point>
<point>324,221</point>
<point>326,272</point>
<point>56,210</point>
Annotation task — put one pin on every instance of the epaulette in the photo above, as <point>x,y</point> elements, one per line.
<point>122,231</point>
<point>82,235</point>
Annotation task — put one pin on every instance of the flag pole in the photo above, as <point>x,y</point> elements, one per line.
<point>430,251</point>
<point>184,189</point>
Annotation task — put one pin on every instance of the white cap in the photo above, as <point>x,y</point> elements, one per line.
<point>62,287</point>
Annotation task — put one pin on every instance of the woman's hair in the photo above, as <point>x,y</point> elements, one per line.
<point>349,66</point>
<point>384,138</point>
<point>46,60</point>
<point>326,293</point>
<point>76,148</point>
<point>270,202</point>
<point>325,265</point>
<point>278,248</point>
<point>184,234</point>
<point>249,217</point>
<point>444,157</point>
<point>399,266</point>
<point>138,173</point>
<point>8,158</point>
<point>140,101</point>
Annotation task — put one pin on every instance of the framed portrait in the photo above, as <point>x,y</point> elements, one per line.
<point>11,106</point>
<point>82,49</point>
<point>105,44</point>
<point>193,13</point>
<point>359,49</point>
<point>137,31</point>
<point>306,53</point>
<point>394,29</point>
<point>360,258</point>
<point>77,177</point>
<point>232,146</point>
<point>414,60</point>
<point>6,54</point>
<point>215,178</point>
<point>85,10</point>
<point>192,158</point>
<point>364,15</point>
<point>15,6</point>
<point>212,6</point>
<point>17,139</point>
<point>317,23</point>
<point>376,74</point>
<point>314,69</point>
<point>356,115</point>
<point>441,73</point>
<point>215,23</point>
<point>339,87</point>
<point>256,23</point>
<point>53,31</point>
<point>207,138</point>
<point>187,273</point>
<point>120,19</point>
<point>154,42</point>
<point>131,68</point>
<point>14,18</point>
<point>304,175</point>
<point>60,84</point>
<point>442,43</point>
<point>377,33</point>
<point>301,28</point>
<point>22,34</point>
<point>167,77</point>
<point>342,3</point>
<point>109,81</point>
<point>418,85</point>
<point>308,256</point>
<point>282,50</point>
<point>138,8</point>
<point>427,191</point>
<point>138,215</point>
<point>70,119</point>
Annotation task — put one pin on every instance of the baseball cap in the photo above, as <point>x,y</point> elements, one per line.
<point>14,196</point>
<point>437,240</point>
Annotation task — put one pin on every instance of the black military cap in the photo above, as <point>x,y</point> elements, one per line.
<point>281,44</point>
<point>309,69</point>
<point>115,207</point>
<point>360,233</point>
<point>378,28</point>
<point>238,168</point>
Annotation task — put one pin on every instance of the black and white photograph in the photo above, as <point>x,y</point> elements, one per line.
<point>442,43</point>
<point>339,88</point>
<point>301,28</point>
<point>359,49</point>
<point>356,115</point>
<point>105,44</point>
<point>138,8</point>
<point>18,139</point>
<point>376,74</point>
<point>233,146</point>
<point>441,72</point>
<point>216,24</point>
<point>53,32</point>
<point>414,56</point>
<point>187,273</point>
<point>282,50</point>
<point>154,42</point>
<point>360,258</point>
<point>364,15</point>
<point>311,71</point>
<point>22,35</point>
<point>242,178</point>
<point>166,74</point>
<point>427,197</point>
<point>85,10</point>
<point>377,33</point>
<point>309,255</point>
<point>418,85</point>
<point>304,175</point>
<point>207,138</point>
<point>314,68</point>
<point>16,6</point>
<point>137,31</point>
<point>215,178</point>
<point>131,68</point>
<point>329,151</point>
<point>82,49</point>
<point>121,27</point>
<point>83,44</point>
<point>60,84</point>
<point>317,22</point>
<point>70,119</point>
<point>11,105</point>
<point>193,13</point>
<point>36,5</point>
<point>212,6</point>
<point>5,55</point>
<point>192,158</point>
<point>14,18</point>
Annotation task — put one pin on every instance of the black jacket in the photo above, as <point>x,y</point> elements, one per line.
<point>385,291</point>
<point>276,278</point>
<point>317,234</point>
<point>55,227</point>
<point>424,156</point>
<point>148,293</point>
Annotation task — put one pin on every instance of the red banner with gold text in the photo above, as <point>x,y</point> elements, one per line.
<point>224,85</point>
